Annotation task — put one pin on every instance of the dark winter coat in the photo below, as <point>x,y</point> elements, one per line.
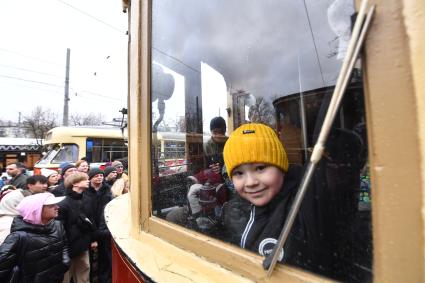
<point>110,183</point>
<point>77,225</point>
<point>303,246</point>
<point>312,243</point>
<point>266,222</point>
<point>94,204</point>
<point>45,258</point>
<point>59,190</point>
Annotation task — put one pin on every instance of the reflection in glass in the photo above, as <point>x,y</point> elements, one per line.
<point>67,153</point>
<point>273,62</point>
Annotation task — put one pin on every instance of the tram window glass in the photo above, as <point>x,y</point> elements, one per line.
<point>67,153</point>
<point>173,149</point>
<point>272,62</point>
<point>52,150</point>
<point>104,150</point>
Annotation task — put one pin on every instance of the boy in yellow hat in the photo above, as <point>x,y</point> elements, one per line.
<point>258,166</point>
<point>321,239</point>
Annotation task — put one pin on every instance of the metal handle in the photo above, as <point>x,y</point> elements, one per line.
<point>359,34</point>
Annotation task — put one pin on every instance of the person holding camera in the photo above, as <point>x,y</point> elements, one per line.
<point>208,191</point>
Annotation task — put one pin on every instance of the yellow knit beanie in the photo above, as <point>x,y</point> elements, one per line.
<point>254,143</point>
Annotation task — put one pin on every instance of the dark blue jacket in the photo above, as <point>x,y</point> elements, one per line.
<point>77,225</point>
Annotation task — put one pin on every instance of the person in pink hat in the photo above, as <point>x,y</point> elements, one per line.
<point>36,249</point>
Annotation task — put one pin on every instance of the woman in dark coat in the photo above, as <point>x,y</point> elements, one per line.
<point>37,242</point>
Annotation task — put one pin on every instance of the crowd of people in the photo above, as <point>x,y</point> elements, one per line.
<point>52,226</point>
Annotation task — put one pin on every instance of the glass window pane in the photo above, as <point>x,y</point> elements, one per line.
<point>269,62</point>
<point>67,153</point>
<point>52,150</point>
<point>105,150</point>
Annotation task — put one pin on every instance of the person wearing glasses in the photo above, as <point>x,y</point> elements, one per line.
<point>37,242</point>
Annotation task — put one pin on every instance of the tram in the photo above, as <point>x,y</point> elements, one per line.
<point>278,63</point>
<point>69,144</point>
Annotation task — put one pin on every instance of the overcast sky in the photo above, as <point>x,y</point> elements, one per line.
<point>34,39</point>
<point>268,48</point>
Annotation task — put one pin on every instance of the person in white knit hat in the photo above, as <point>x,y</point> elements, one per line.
<point>52,178</point>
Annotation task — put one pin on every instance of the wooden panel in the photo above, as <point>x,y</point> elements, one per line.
<point>392,122</point>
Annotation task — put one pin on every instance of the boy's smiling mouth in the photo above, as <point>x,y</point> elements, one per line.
<point>255,192</point>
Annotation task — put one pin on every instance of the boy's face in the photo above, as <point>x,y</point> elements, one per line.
<point>218,135</point>
<point>96,179</point>
<point>37,187</point>
<point>81,186</point>
<point>257,182</point>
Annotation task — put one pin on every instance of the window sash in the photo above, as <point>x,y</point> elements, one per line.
<point>397,228</point>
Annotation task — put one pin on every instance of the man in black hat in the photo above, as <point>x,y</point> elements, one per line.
<point>213,162</point>
<point>213,148</point>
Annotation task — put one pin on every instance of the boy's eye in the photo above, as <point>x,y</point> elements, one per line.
<point>260,167</point>
<point>236,173</point>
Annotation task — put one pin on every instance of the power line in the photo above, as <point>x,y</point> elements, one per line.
<point>90,16</point>
<point>30,57</point>
<point>29,70</point>
<point>95,94</point>
<point>314,43</point>
<point>61,86</point>
<point>35,88</point>
<point>30,81</point>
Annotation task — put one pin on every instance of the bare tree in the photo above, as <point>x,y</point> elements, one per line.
<point>262,112</point>
<point>90,119</point>
<point>38,123</point>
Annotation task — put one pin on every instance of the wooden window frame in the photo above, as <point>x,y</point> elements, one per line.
<point>398,224</point>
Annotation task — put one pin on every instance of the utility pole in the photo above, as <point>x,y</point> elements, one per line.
<point>19,125</point>
<point>66,99</point>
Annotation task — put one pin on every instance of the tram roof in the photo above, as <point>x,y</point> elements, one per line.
<point>100,132</point>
